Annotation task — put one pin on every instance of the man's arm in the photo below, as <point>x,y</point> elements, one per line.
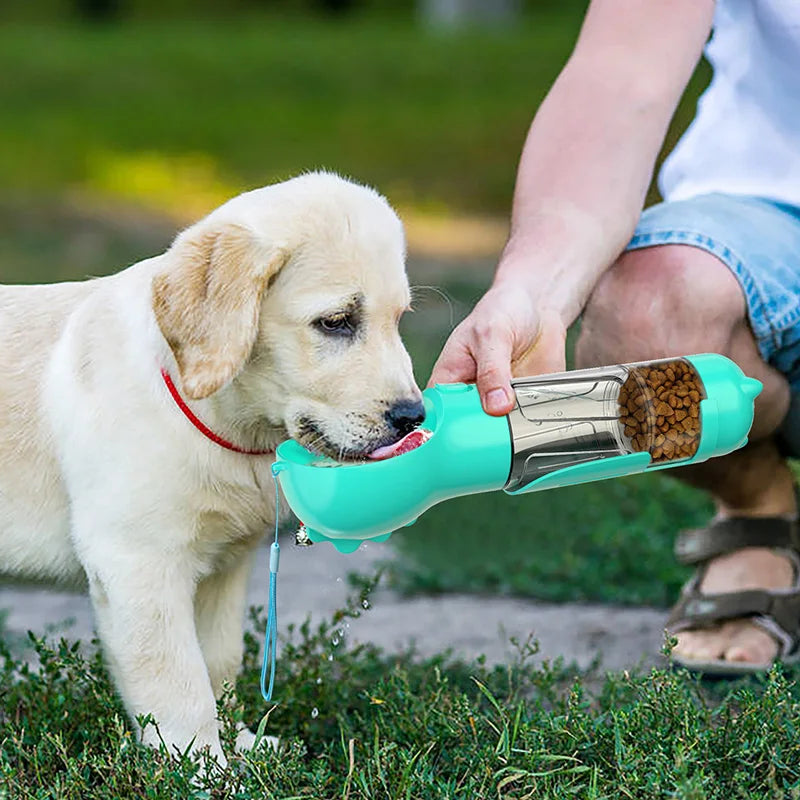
<point>590,151</point>
<point>581,182</point>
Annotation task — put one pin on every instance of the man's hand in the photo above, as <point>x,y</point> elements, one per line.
<point>507,333</point>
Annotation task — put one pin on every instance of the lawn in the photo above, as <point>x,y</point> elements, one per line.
<point>358,725</point>
<point>176,115</point>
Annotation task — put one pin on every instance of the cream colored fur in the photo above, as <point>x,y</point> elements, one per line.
<point>104,481</point>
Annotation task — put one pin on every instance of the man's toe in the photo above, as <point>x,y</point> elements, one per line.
<point>751,645</point>
<point>701,645</point>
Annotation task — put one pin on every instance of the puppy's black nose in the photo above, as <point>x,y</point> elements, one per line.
<point>405,415</point>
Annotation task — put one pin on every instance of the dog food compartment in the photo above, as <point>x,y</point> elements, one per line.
<point>659,408</point>
<point>576,417</point>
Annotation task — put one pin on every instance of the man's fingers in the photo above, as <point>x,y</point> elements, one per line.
<point>454,365</point>
<point>449,373</point>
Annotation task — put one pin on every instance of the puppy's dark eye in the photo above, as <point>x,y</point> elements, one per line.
<point>337,324</point>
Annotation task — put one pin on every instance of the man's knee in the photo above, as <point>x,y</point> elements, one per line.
<point>657,302</point>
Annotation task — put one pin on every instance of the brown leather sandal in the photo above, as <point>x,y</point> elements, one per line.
<point>777,611</point>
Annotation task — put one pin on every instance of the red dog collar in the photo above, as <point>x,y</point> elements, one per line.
<point>206,431</point>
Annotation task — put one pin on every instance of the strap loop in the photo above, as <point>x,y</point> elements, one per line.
<point>696,610</point>
<point>271,633</point>
<point>734,533</point>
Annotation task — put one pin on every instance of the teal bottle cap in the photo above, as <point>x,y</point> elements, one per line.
<point>726,413</point>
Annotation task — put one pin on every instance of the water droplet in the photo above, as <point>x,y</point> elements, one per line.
<point>314,712</point>
<point>365,603</point>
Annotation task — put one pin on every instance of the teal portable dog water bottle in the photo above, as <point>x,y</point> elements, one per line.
<point>567,428</point>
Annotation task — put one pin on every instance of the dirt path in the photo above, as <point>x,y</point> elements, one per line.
<point>314,581</point>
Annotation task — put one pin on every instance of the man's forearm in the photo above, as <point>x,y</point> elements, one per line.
<point>589,155</point>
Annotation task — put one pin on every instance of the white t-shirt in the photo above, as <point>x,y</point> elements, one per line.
<point>745,138</point>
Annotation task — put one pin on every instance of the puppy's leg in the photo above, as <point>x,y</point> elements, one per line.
<point>219,608</point>
<point>219,611</point>
<point>143,601</point>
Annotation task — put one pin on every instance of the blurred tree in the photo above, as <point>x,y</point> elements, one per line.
<point>336,7</point>
<point>98,10</point>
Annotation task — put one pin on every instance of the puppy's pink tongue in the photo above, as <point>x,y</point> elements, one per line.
<point>411,441</point>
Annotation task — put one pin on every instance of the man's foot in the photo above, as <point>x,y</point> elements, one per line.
<point>743,607</point>
<point>737,640</point>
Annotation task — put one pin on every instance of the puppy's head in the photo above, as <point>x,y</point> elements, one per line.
<point>285,302</point>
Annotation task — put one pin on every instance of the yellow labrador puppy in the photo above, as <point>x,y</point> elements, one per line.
<point>139,413</point>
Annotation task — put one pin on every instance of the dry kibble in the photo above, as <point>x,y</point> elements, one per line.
<point>660,410</point>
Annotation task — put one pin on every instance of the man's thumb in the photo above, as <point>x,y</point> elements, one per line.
<point>493,358</point>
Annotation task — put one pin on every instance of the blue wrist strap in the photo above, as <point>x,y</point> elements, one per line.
<point>271,634</point>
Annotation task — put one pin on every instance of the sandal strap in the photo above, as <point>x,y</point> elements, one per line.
<point>734,533</point>
<point>696,610</point>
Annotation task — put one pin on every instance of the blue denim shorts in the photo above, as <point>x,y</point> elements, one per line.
<point>759,241</point>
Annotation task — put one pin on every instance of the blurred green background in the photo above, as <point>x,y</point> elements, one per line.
<point>122,120</point>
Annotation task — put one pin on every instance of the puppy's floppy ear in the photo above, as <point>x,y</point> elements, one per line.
<point>207,302</point>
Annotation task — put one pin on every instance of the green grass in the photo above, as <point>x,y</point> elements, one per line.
<point>43,242</point>
<point>178,114</point>
<point>608,542</point>
<point>357,724</point>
